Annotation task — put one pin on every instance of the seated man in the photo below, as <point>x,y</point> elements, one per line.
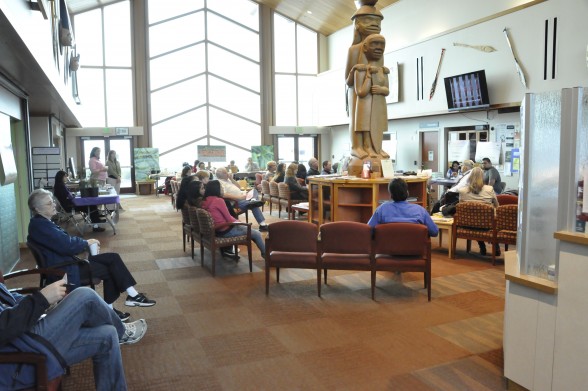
<point>232,191</point>
<point>401,211</point>
<point>65,197</point>
<point>451,196</point>
<point>271,170</point>
<point>313,167</point>
<point>326,168</point>
<point>80,326</point>
<point>58,246</point>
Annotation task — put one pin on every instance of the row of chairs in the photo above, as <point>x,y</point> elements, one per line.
<point>279,194</point>
<point>347,245</point>
<point>480,221</point>
<point>198,226</point>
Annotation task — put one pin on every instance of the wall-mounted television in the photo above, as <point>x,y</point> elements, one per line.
<point>467,91</point>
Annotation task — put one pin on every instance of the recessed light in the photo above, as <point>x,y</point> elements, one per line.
<point>309,12</point>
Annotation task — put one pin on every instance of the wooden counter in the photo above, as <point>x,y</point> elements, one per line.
<point>338,199</point>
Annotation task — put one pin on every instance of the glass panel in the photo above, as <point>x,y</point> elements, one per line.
<point>245,12</point>
<point>234,99</point>
<point>88,146</point>
<point>284,44</point>
<point>306,103</point>
<point>285,100</point>
<point>225,64</point>
<point>88,33</point>
<point>123,155</point>
<point>306,41</point>
<point>176,66</point>
<point>179,130</point>
<point>119,97</point>
<point>176,33</point>
<point>234,129</point>
<point>540,183</point>
<point>286,149</point>
<point>305,149</point>
<point>164,9</point>
<point>117,34</point>
<point>91,87</point>
<point>173,160</point>
<point>178,98</point>
<point>233,37</point>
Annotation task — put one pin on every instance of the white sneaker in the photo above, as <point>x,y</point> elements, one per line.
<point>134,331</point>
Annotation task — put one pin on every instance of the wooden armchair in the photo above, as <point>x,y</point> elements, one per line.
<point>37,360</point>
<point>209,239</point>
<point>507,199</point>
<point>174,186</point>
<point>291,244</point>
<point>402,247</point>
<point>474,221</point>
<point>86,278</point>
<point>265,194</point>
<point>274,196</point>
<point>286,200</point>
<point>506,225</point>
<point>194,226</point>
<point>345,245</point>
<point>186,226</point>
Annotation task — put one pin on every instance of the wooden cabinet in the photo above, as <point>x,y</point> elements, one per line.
<point>355,199</point>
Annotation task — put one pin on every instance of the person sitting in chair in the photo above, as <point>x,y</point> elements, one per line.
<point>65,198</point>
<point>80,326</point>
<point>400,211</point>
<point>58,246</point>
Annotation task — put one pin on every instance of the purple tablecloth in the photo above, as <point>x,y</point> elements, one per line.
<point>100,200</point>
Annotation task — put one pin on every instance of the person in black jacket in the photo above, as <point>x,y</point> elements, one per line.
<point>297,192</point>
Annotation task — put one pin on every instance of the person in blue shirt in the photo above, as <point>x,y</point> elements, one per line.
<point>400,211</point>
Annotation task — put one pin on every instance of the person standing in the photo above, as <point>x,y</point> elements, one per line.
<point>97,169</point>
<point>491,176</point>
<point>114,173</point>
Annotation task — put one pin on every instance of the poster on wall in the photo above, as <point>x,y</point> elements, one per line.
<point>458,150</point>
<point>212,153</point>
<point>490,150</point>
<point>146,161</point>
<point>261,154</point>
<point>516,160</point>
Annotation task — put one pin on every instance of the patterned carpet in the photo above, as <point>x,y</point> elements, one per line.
<point>224,333</point>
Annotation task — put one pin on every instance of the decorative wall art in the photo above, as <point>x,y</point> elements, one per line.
<point>482,48</point>
<point>432,92</point>
<point>517,65</point>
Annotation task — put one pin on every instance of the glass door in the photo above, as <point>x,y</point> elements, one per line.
<point>297,148</point>
<point>124,153</point>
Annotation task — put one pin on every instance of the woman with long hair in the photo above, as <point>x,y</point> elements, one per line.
<point>215,205</point>
<point>280,173</point>
<point>183,190</point>
<point>195,193</point>
<point>478,192</point>
<point>65,198</point>
<point>114,173</point>
<point>297,192</point>
<point>97,169</point>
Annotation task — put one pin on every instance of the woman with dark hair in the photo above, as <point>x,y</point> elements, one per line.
<point>454,171</point>
<point>182,191</point>
<point>97,169</point>
<point>186,171</point>
<point>215,205</point>
<point>297,192</point>
<point>280,173</point>
<point>65,198</point>
<point>195,193</point>
<point>301,173</point>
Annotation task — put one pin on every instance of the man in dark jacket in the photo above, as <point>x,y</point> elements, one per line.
<point>67,330</point>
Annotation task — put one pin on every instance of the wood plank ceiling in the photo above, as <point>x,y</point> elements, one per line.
<point>323,16</point>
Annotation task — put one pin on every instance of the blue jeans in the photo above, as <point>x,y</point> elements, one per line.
<point>244,205</point>
<point>82,325</point>
<point>239,230</point>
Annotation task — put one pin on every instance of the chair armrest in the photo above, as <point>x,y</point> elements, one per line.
<point>22,357</point>
<point>25,272</point>
<point>226,225</point>
<point>76,261</point>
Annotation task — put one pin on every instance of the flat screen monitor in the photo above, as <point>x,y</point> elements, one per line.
<point>72,168</point>
<point>467,91</point>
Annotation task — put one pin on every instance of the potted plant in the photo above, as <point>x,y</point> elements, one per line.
<point>88,188</point>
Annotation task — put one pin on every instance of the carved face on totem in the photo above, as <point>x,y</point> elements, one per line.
<point>374,46</point>
<point>368,24</point>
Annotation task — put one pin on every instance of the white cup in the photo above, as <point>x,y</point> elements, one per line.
<point>94,249</point>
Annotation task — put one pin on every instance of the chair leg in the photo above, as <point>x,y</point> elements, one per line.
<point>318,281</point>
<point>213,262</point>
<point>201,255</point>
<point>278,275</point>
<point>428,283</point>
<point>184,239</point>
<point>267,276</point>
<point>505,246</point>
<point>468,246</point>
<point>373,285</point>
<point>325,272</point>
<point>192,248</point>
<point>249,254</point>
<point>493,253</point>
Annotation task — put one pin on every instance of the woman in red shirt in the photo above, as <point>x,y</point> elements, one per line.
<point>215,205</point>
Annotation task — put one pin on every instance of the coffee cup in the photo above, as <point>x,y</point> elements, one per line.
<point>94,249</point>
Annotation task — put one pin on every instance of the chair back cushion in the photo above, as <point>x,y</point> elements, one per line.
<point>506,218</point>
<point>293,236</point>
<point>284,191</point>
<point>193,219</point>
<point>507,199</point>
<point>258,178</point>
<point>206,223</point>
<point>472,214</point>
<point>185,214</point>
<point>265,187</point>
<point>37,254</point>
<point>346,237</point>
<point>401,239</point>
<point>274,191</point>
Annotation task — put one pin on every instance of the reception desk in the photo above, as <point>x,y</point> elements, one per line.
<point>355,199</point>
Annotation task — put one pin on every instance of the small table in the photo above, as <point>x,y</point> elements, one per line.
<point>144,187</point>
<point>301,207</point>
<point>103,199</point>
<point>445,223</point>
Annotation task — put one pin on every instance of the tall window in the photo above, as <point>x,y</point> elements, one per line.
<point>204,78</point>
<point>105,77</point>
<point>296,64</point>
